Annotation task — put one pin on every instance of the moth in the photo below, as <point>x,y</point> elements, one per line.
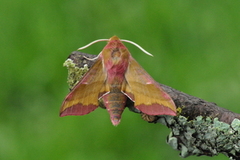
<point>115,77</point>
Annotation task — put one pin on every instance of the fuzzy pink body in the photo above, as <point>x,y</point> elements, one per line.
<point>115,77</point>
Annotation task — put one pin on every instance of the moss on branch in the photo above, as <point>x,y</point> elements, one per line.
<point>201,127</point>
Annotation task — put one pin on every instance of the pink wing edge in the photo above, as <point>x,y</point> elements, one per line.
<point>78,109</point>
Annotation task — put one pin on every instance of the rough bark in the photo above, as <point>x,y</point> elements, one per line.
<point>200,128</point>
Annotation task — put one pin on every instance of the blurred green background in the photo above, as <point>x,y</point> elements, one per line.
<point>196,46</point>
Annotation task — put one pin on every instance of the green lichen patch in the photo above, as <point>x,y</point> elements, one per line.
<point>74,73</point>
<point>203,136</point>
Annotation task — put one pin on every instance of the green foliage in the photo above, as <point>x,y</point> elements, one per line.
<point>196,50</point>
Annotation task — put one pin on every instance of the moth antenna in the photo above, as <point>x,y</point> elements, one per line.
<point>99,40</point>
<point>124,40</point>
<point>135,44</point>
<point>91,59</point>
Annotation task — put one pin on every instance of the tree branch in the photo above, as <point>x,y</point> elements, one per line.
<point>201,127</point>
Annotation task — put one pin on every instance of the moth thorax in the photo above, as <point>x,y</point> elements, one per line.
<point>116,55</point>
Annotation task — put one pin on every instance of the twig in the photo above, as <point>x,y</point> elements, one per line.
<point>201,127</point>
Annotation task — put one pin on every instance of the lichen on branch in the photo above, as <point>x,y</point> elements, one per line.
<point>200,128</point>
